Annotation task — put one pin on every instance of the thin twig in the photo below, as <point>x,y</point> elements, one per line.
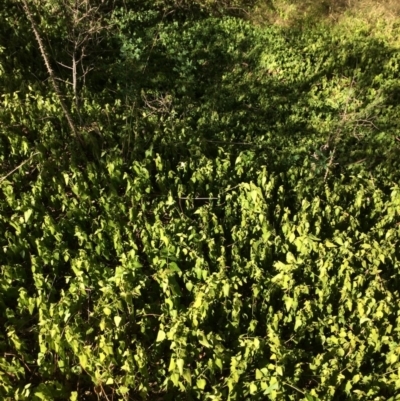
<point>202,198</point>
<point>357,162</point>
<point>66,66</point>
<point>230,142</point>
<point>367,122</point>
<point>230,189</point>
<point>294,388</point>
<point>18,167</point>
<point>103,392</point>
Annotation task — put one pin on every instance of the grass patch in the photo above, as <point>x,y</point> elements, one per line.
<point>290,13</point>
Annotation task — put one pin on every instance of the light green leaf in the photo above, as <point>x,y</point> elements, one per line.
<point>187,376</point>
<point>290,258</point>
<point>218,362</point>
<point>28,214</point>
<point>161,336</point>
<point>83,360</point>
<point>201,384</point>
<point>66,178</point>
<point>73,396</point>
<point>339,241</point>
<point>226,288</point>
<point>175,378</point>
<point>288,303</point>
<point>298,323</point>
<point>123,390</point>
<point>330,244</point>
<point>180,362</point>
<point>117,320</point>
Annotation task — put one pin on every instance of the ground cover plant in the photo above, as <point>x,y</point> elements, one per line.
<point>197,207</point>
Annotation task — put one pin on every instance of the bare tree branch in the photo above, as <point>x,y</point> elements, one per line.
<point>18,167</point>
<point>50,71</point>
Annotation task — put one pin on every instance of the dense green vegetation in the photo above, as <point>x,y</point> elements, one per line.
<point>195,207</point>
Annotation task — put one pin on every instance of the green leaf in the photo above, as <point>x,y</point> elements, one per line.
<point>290,258</point>
<point>188,376</point>
<point>288,303</point>
<point>339,241</point>
<point>273,386</point>
<point>201,384</point>
<point>83,360</point>
<point>298,323</point>
<point>27,215</point>
<point>174,267</point>
<point>175,379</point>
<point>218,363</point>
<point>73,396</point>
<point>117,320</point>
<point>253,388</point>
<point>226,288</point>
<point>161,336</point>
<point>180,362</point>
<point>330,244</point>
<point>123,390</point>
